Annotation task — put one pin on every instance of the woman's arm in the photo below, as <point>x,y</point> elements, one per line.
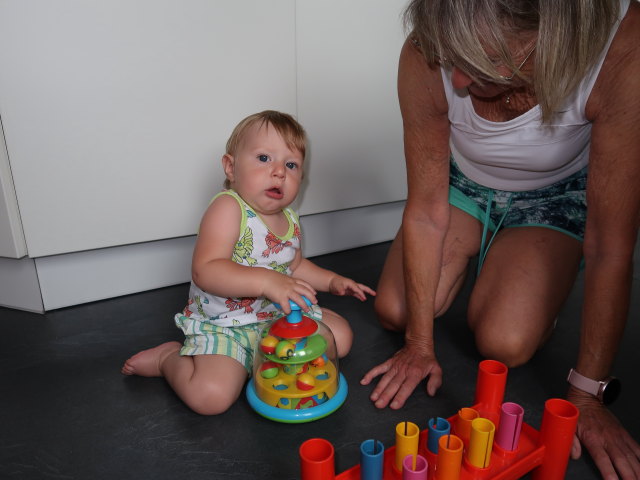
<point>613,198</point>
<point>426,215</point>
<point>425,221</point>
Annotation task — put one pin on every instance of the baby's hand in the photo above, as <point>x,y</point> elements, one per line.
<point>280,288</point>
<point>340,285</point>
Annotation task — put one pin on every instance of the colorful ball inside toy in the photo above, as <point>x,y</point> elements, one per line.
<point>305,381</point>
<point>284,350</point>
<point>269,369</point>
<point>296,368</point>
<point>268,344</point>
<point>321,361</point>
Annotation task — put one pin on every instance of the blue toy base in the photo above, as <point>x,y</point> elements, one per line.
<point>297,416</point>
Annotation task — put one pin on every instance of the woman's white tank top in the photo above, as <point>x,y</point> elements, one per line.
<point>522,153</point>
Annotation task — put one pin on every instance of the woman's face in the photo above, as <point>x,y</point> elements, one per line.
<point>489,88</point>
<point>461,80</point>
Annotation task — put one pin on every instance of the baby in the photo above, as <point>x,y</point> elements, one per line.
<point>247,256</point>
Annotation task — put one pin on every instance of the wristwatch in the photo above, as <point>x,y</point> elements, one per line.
<point>606,390</point>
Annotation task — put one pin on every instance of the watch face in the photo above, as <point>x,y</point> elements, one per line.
<point>611,391</point>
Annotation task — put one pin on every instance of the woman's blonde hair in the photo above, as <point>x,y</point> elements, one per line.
<point>289,129</point>
<point>571,35</point>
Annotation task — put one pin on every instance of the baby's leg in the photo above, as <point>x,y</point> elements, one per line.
<point>147,362</point>
<point>341,330</point>
<point>208,384</point>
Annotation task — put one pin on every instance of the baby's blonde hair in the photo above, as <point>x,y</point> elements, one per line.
<point>288,127</point>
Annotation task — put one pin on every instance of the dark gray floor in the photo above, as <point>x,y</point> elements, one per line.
<point>68,413</point>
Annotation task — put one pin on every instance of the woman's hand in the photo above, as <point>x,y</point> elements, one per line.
<point>614,452</point>
<point>402,373</point>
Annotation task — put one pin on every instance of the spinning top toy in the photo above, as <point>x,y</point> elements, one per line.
<point>295,370</point>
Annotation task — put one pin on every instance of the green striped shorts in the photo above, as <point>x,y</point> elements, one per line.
<point>205,338</point>
<point>202,337</point>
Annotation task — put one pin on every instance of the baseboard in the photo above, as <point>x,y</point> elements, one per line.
<point>64,280</point>
<point>48,283</point>
<point>83,277</point>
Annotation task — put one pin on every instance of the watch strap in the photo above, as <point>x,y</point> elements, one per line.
<point>583,383</point>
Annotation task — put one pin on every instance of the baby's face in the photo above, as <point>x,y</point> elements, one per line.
<point>265,172</point>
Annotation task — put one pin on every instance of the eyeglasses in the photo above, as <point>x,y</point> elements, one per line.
<point>513,74</point>
<point>447,63</point>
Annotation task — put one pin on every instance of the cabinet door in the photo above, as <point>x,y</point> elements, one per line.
<point>116,113</point>
<point>347,99</point>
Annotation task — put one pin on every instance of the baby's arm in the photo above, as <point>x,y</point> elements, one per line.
<point>213,270</point>
<point>327,281</point>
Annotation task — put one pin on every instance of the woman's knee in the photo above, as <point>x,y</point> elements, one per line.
<point>513,352</point>
<point>511,346</point>
<point>391,314</point>
<point>504,332</point>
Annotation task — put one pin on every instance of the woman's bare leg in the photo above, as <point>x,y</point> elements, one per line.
<point>461,243</point>
<point>525,279</point>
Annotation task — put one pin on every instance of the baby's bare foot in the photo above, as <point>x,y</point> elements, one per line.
<point>147,362</point>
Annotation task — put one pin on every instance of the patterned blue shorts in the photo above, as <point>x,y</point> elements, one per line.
<point>561,206</point>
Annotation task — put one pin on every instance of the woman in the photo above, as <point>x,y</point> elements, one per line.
<point>505,103</point>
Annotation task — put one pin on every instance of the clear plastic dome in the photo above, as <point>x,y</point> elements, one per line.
<point>295,370</point>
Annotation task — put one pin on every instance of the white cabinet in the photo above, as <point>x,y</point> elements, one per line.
<point>116,113</point>
<point>347,58</point>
